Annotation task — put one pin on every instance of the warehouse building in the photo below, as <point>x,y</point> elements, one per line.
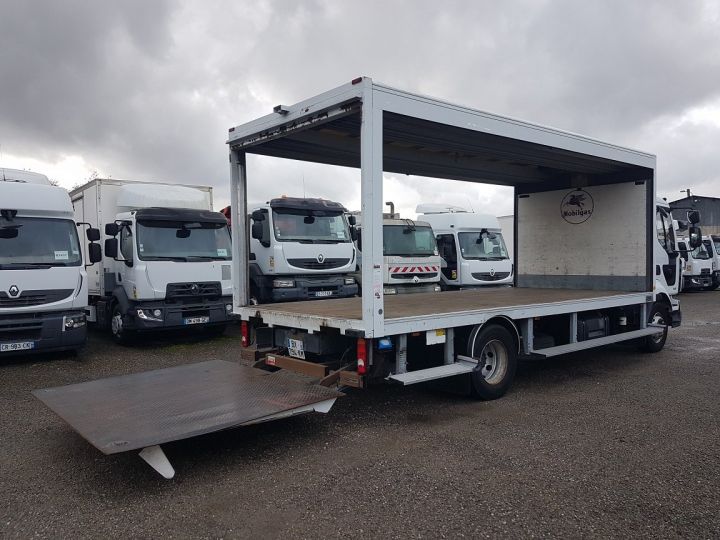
<point>709,208</point>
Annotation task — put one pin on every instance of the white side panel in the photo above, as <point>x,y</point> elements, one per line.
<point>507,227</point>
<point>599,231</point>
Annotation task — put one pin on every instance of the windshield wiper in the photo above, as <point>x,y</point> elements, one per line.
<point>164,258</point>
<point>27,266</point>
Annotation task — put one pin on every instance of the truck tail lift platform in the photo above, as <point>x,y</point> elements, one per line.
<point>145,410</point>
<point>593,266</point>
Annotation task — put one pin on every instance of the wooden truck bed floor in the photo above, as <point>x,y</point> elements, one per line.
<point>438,307</point>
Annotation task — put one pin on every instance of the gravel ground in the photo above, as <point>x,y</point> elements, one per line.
<point>609,443</point>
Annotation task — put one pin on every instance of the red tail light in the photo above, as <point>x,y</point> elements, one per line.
<point>361,356</point>
<point>244,340</point>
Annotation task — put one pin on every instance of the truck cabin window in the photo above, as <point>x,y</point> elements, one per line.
<point>716,243</point>
<point>483,246</point>
<point>408,240</point>
<point>126,240</point>
<point>310,227</point>
<point>38,242</point>
<point>700,253</point>
<point>182,241</point>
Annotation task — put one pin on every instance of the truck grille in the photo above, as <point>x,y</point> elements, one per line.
<point>207,289</point>
<point>33,298</point>
<point>313,264</point>
<point>705,271</point>
<point>421,275</point>
<point>21,327</point>
<point>485,276</point>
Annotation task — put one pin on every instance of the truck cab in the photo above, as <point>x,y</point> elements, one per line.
<point>697,266</point>
<point>712,245</point>
<point>471,245</point>
<point>300,249</point>
<point>411,262</point>
<point>43,282</point>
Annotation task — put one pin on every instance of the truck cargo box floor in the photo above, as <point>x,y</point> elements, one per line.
<point>143,410</point>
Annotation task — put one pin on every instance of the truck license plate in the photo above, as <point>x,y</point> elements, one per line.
<point>296,348</point>
<point>323,293</point>
<point>21,346</point>
<point>196,320</point>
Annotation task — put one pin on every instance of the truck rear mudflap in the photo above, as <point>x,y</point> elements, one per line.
<point>145,410</point>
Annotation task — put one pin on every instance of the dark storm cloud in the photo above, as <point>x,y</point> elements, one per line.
<point>147,90</point>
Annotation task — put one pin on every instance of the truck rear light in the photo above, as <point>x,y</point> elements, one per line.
<point>244,341</point>
<point>357,80</point>
<point>361,356</point>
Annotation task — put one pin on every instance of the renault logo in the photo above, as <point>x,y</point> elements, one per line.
<point>194,288</point>
<point>321,258</point>
<point>492,271</point>
<point>13,290</point>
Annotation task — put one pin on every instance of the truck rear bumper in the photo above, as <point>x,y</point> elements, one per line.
<point>41,332</point>
<point>140,315</point>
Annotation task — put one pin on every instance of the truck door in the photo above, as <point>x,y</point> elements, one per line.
<point>127,240</point>
<point>668,265</point>
<point>448,252</point>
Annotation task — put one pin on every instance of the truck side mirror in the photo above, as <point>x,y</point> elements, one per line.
<point>257,230</point>
<point>111,229</point>
<point>94,252</point>
<point>352,221</point>
<point>694,237</point>
<point>93,234</point>
<point>693,216</point>
<point>353,234</point>
<point>258,215</point>
<point>111,246</point>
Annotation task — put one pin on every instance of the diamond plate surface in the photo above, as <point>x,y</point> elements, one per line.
<point>128,412</point>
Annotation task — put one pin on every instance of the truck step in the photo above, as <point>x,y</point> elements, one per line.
<point>597,342</point>
<point>439,372</point>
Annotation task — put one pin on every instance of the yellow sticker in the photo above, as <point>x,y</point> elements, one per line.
<point>440,332</point>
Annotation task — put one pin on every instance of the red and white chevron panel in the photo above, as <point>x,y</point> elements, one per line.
<point>412,269</point>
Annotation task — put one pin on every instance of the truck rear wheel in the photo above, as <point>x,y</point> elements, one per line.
<point>495,350</point>
<point>117,327</point>
<point>659,314</point>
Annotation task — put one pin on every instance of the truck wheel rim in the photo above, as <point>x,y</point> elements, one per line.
<point>660,320</point>
<point>493,361</point>
<point>116,324</point>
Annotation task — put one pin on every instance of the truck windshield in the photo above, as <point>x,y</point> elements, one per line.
<point>310,227</point>
<point>716,243</point>
<point>483,246</point>
<point>182,240</point>
<point>702,252</point>
<point>408,241</point>
<point>38,242</point>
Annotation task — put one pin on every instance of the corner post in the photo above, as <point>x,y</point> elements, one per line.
<point>238,212</point>
<point>371,196</point>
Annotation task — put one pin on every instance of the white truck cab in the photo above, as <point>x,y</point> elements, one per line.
<point>167,257</point>
<point>712,245</point>
<point>471,245</point>
<point>43,282</point>
<point>300,249</point>
<point>411,262</point>
<point>697,266</point>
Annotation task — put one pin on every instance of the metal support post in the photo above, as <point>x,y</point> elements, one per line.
<point>643,315</point>
<point>527,331</point>
<point>401,355</point>
<point>238,212</point>
<point>449,346</point>
<point>573,328</point>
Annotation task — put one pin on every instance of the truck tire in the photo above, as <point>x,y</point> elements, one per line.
<point>119,334</point>
<point>659,314</point>
<point>496,352</point>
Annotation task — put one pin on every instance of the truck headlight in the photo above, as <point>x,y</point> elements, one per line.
<point>349,281</point>
<point>150,314</point>
<point>73,321</point>
<point>437,288</point>
<point>228,307</point>
<point>389,290</point>
<point>283,283</point>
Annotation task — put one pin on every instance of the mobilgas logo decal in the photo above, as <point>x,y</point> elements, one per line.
<point>577,206</point>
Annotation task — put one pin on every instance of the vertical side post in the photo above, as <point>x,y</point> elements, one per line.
<point>401,354</point>
<point>449,346</point>
<point>527,337</point>
<point>238,212</point>
<point>573,327</point>
<point>371,197</point>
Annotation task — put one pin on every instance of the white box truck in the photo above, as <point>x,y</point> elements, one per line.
<point>167,257</point>
<point>589,241</point>
<point>472,247</point>
<point>43,282</point>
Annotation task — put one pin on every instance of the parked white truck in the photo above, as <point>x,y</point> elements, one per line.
<point>471,245</point>
<point>698,266</point>
<point>587,245</point>
<point>43,282</point>
<point>301,249</point>
<point>411,262</point>
<point>712,245</point>
<point>167,258</point>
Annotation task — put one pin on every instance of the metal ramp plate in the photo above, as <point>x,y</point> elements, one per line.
<point>439,372</point>
<point>124,413</point>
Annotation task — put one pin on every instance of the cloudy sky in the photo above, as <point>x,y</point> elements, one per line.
<point>146,90</point>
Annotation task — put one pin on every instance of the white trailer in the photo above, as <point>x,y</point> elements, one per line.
<point>472,247</point>
<point>43,281</point>
<point>592,284</point>
<point>167,257</point>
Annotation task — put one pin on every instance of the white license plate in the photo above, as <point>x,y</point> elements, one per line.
<point>323,293</point>
<point>196,320</point>
<point>21,346</point>
<point>296,348</point>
